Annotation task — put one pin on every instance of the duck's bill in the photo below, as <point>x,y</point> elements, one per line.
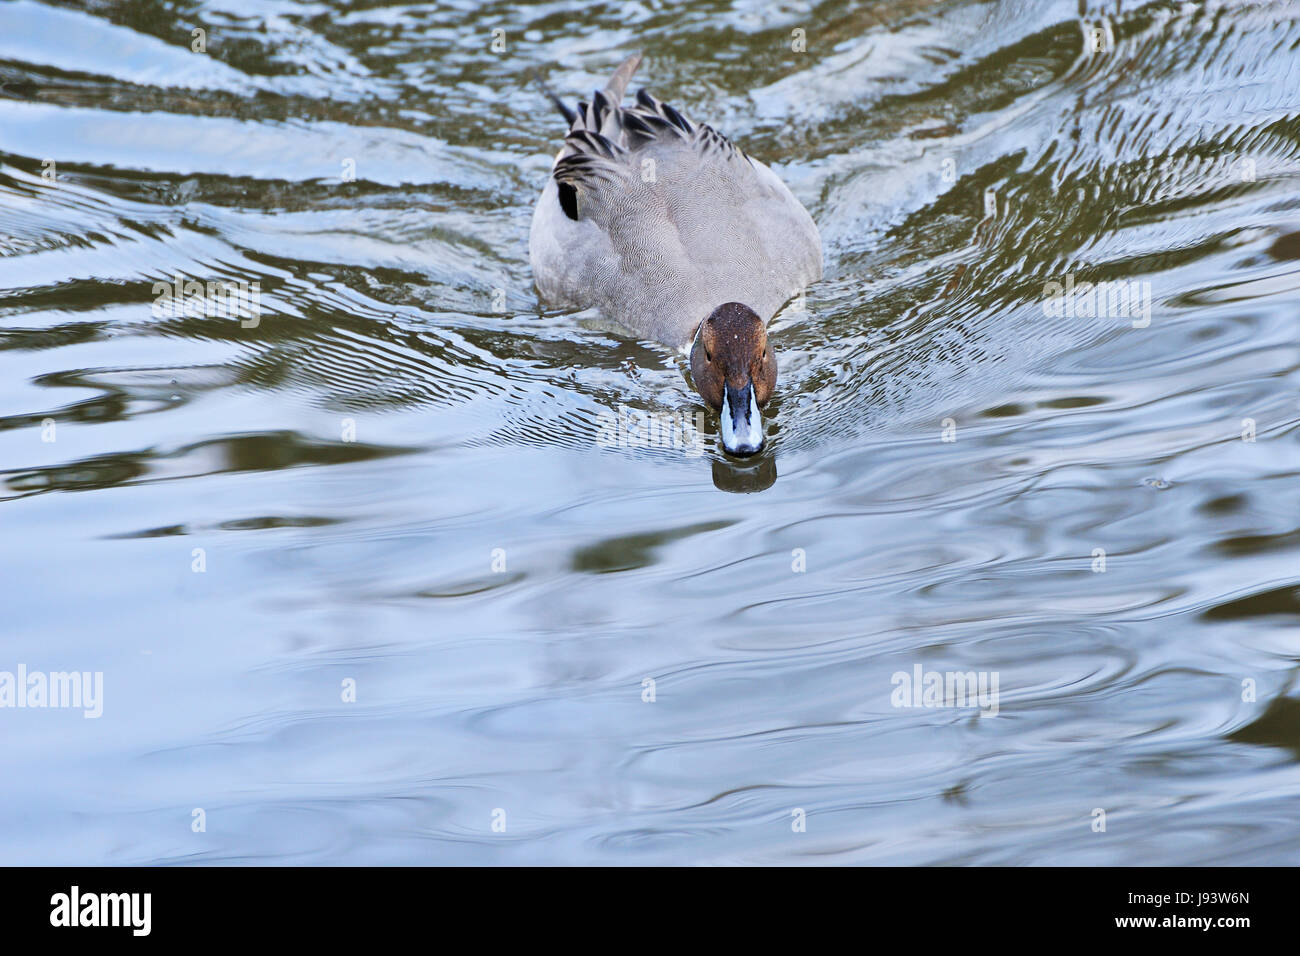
<point>742,425</point>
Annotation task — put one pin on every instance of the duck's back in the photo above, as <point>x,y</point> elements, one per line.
<point>655,221</point>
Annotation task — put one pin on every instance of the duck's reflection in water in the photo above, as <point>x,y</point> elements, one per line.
<point>745,475</point>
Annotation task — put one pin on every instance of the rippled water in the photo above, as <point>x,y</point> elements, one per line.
<point>395,478</point>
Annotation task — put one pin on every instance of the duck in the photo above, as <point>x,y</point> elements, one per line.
<point>669,230</point>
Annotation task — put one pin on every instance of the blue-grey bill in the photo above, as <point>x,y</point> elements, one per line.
<point>742,425</point>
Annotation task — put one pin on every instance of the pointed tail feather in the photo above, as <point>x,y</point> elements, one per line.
<point>617,84</point>
<point>565,111</point>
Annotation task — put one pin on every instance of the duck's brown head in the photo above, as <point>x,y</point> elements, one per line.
<point>735,371</point>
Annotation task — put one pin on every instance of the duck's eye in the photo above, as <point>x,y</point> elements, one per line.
<point>708,356</point>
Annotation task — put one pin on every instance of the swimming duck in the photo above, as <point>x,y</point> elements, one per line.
<point>667,228</point>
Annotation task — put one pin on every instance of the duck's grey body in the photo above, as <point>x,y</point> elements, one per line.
<point>672,221</point>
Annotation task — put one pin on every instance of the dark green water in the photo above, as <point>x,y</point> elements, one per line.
<point>394,477</point>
